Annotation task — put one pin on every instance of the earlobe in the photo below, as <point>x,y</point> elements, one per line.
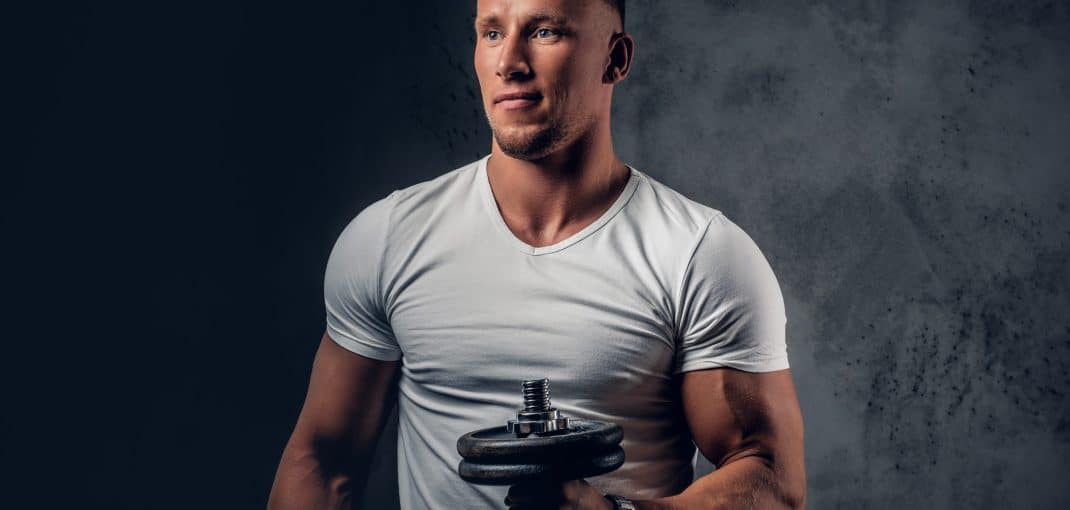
<point>612,74</point>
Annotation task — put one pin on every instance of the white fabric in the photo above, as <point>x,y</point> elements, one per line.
<point>658,285</point>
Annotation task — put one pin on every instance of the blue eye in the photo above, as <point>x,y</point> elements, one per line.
<point>493,35</point>
<point>545,32</point>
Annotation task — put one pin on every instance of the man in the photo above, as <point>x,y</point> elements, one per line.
<point>550,258</point>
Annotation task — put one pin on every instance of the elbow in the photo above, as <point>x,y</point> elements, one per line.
<point>790,482</point>
<point>786,480</point>
<point>794,498</point>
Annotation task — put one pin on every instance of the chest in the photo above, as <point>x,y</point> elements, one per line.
<point>599,330</point>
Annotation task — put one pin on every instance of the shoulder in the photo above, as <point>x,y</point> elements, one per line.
<point>707,227</point>
<point>366,228</point>
<point>675,208</point>
<point>671,223</point>
<point>410,204</point>
<point>437,192</point>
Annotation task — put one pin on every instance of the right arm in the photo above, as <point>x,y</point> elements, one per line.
<point>326,462</point>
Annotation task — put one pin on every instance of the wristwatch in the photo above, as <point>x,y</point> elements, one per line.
<point>620,502</point>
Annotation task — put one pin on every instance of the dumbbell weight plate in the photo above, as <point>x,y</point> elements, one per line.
<point>499,446</point>
<point>576,467</point>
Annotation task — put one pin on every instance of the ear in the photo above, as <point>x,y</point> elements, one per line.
<point>619,62</point>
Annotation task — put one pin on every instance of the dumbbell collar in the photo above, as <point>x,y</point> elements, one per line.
<point>537,422</point>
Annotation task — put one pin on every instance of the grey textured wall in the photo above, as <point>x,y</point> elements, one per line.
<point>904,165</point>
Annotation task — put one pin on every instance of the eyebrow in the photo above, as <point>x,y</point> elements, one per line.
<point>553,16</point>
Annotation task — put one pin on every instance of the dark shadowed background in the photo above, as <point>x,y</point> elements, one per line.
<point>175,176</point>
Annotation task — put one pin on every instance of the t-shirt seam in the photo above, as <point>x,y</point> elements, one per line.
<point>728,363</point>
<point>629,192</point>
<point>683,272</point>
<point>363,344</point>
<point>391,201</point>
<point>636,178</point>
<point>750,358</point>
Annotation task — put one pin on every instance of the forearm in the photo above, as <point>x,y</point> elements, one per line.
<point>303,481</point>
<point>748,483</point>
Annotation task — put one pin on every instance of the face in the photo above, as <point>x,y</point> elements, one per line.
<point>542,68</point>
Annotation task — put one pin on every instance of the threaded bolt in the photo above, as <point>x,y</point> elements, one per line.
<point>536,395</point>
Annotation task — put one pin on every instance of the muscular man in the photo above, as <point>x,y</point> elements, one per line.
<point>551,258</point>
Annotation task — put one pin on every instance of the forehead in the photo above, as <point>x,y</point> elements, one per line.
<point>501,10</point>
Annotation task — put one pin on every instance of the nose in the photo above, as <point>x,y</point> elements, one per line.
<point>513,59</point>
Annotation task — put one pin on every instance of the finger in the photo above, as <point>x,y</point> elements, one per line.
<point>533,489</point>
<point>538,493</point>
<point>519,496</point>
<point>513,501</point>
<point>574,490</point>
<point>526,504</point>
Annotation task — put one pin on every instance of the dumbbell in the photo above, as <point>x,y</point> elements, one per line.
<point>539,444</point>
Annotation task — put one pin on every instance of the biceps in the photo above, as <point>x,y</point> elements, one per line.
<point>347,397</point>
<point>732,414</point>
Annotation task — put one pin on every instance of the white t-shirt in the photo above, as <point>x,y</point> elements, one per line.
<point>656,286</point>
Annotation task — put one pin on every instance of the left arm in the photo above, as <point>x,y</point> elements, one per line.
<point>748,423</point>
<point>750,426</point>
<point>734,383</point>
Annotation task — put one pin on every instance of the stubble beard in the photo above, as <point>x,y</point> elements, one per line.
<point>529,143</point>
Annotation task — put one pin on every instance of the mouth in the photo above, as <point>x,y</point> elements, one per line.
<point>517,100</point>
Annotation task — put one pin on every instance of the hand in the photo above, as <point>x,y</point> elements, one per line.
<point>566,495</point>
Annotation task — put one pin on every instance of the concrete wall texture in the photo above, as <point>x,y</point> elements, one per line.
<point>904,166</point>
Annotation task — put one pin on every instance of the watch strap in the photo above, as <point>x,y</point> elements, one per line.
<point>620,502</point>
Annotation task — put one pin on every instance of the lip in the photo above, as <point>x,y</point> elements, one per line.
<point>517,99</point>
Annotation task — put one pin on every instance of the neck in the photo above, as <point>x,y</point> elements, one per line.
<point>546,200</point>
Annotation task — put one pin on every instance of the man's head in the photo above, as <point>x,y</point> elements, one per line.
<point>547,68</point>
<point>618,5</point>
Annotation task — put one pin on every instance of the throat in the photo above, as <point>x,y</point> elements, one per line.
<point>556,222</point>
<point>539,236</point>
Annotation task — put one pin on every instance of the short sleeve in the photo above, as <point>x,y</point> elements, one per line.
<point>356,315</point>
<point>731,311</point>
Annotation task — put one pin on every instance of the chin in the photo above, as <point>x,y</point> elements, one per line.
<point>527,143</point>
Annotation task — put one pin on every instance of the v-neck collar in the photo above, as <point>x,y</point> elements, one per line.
<point>483,182</point>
